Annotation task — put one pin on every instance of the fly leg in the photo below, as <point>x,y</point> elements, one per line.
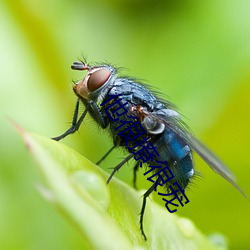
<point>105,155</point>
<point>116,168</point>
<point>145,196</point>
<point>75,124</point>
<point>98,114</point>
<point>136,167</point>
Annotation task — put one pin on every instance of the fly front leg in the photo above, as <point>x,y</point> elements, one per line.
<point>97,114</point>
<point>75,123</point>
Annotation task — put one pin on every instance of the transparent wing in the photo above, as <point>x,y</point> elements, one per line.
<point>176,125</point>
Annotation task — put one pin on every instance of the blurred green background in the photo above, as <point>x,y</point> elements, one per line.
<point>195,52</point>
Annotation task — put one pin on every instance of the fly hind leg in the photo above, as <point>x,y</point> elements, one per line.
<point>144,201</point>
<point>136,167</point>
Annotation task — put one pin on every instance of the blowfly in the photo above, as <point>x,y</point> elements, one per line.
<point>125,107</point>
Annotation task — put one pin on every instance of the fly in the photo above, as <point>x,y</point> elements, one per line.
<point>101,89</point>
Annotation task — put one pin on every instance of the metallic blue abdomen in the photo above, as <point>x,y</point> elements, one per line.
<point>172,150</point>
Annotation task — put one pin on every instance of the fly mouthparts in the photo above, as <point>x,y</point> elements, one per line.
<point>79,66</point>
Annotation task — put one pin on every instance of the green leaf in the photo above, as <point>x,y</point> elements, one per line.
<point>106,216</point>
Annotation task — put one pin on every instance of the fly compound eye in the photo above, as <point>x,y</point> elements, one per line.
<point>97,79</point>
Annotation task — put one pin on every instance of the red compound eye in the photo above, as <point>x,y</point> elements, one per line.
<point>97,79</point>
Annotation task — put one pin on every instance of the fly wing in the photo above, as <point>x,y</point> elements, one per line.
<point>176,125</point>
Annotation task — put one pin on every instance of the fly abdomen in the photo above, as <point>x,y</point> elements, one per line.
<point>182,154</point>
<point>177,154</point>
<point>183,171</point>
<point>177,147</point>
